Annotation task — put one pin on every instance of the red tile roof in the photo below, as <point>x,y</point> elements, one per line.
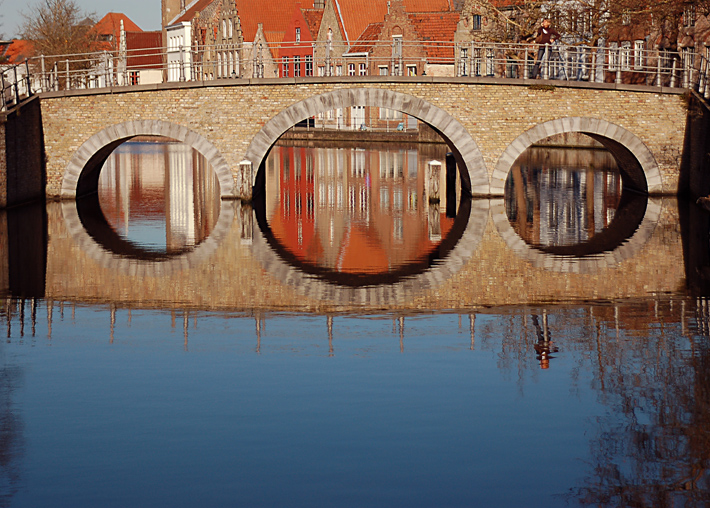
<point>358,14</point>
<point>191,11</point>
<point>17,51</point>
<point>368,38</point>
<point>144,49</point>
<point>436,27</point>
<point>111,24</point>
<point>274,15</point>
<point>313,18</point>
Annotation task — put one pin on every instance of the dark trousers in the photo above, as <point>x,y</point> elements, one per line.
<point>538,60</point>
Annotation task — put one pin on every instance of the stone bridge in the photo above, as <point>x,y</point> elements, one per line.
<point>486,122</point>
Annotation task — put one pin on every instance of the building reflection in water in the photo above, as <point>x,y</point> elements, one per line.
<point>357,210</point>
<point>561,197</point>
<point>159,194</point>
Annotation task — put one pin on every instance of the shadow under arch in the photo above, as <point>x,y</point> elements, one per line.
<point>628,232</point>
<point>475,180</point>
<point>397,287</point>
<point>81,175</point>
<point>638,167</point>
<point>91,232</point>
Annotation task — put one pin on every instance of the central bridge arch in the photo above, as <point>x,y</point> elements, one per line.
<point>468,155</point>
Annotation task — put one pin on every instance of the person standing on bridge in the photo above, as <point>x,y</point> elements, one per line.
<point>545,35</point>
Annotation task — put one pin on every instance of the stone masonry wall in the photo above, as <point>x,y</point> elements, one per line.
<point>21,155</point>
<point>494,114</point>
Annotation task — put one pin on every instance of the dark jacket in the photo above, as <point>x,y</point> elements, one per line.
<point>545,35</point>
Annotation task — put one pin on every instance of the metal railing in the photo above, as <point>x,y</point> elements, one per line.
<point>14,86</point>
<point>621,65</point>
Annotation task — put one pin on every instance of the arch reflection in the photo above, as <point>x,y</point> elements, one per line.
<point>158,200</point>
<point>358,217</point>
<point>569,210</point>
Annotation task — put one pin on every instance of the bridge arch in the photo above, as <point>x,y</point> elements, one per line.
<point>638,166</point>
<point>465,149</point>
<point>81,175</point>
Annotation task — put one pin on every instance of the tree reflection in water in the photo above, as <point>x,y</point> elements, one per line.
<point>652,445</point>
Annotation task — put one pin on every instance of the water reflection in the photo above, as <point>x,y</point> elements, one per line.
<point>159,196</point>
<point>562,197</point>
<point>361,214</point>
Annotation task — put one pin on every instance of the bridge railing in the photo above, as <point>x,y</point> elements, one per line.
<point>623,64</point>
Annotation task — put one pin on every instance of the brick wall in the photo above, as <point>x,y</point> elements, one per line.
<point>494,114</point>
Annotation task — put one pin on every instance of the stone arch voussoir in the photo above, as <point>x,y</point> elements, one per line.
<point>640,168</point>
<point>452,130</point>
<point>93,152</point>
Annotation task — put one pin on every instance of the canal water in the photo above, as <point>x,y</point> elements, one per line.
<point>354,338</point>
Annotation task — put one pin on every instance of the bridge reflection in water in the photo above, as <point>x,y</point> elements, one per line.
<point>630,358</point>
<point>338,238</point>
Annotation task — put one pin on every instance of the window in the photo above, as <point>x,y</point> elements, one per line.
<point>384,70</point>
<point>411,70</point>
<point>625,56</point>
<point>296,66</point>
<point>613,55</point>
<point>231,28</point>
<point>284,70</point>
<point>309,65</point>
<point>689,16</point>
<point>363,69</point>
<point>463,65</point>
<point>135,78</point>
<point>338,70</point>
<point>626,18</point>
<point>476,22</point>
<point>224,28</point>
<point>351,69</point>
<point>321,70</point>
<point>298,35</point>
<point>638,55</point>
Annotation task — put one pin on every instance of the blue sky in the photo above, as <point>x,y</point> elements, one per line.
<point>145,13</point>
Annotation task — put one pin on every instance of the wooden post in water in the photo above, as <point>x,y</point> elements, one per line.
<point>245,180</point>
<point>433,182</point>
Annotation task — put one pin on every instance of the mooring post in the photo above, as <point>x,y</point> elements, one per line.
<point>433,182</point>
<point>245,180</point>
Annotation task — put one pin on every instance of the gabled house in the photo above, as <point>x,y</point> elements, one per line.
<point>296,49</point>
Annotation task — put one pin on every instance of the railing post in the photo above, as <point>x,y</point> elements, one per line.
<point>673,67</point>
<point>29,81</point>
<point>707,77</point>
<point>526,67</point>
<point>617,80</point>
<point>43,77</point>
<point>17,88</point>
<point>182,63</point>
<point>546,62</point>
<point>659,77</point>
<point>68,83</point>
<point>2,80</point>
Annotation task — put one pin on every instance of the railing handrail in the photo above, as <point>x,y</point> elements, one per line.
<point>572,62</point>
